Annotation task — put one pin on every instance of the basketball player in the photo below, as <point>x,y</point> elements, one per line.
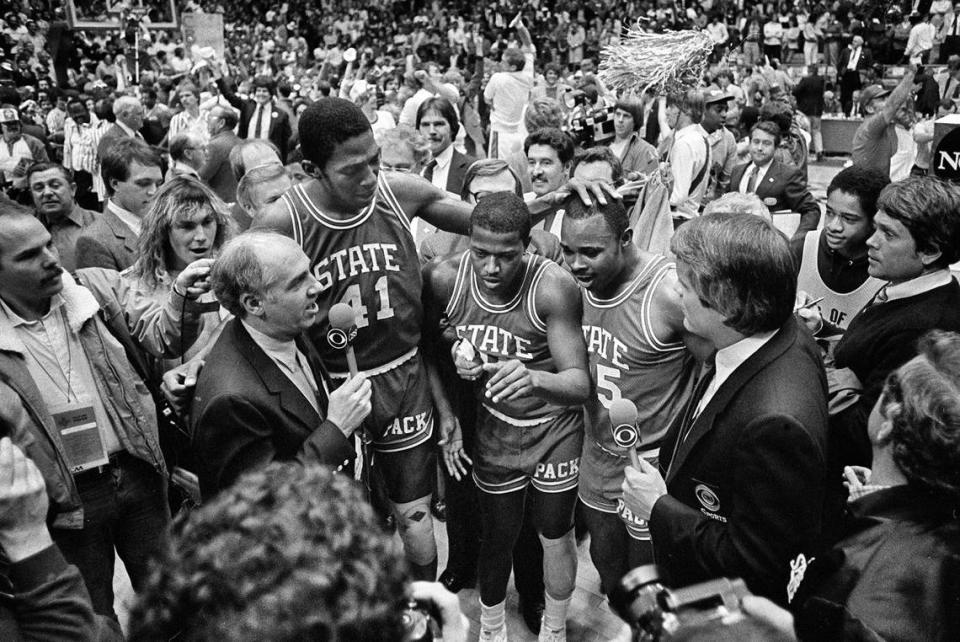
<point>354,224</point>
<point>633,326</point>
<point>520,313</point>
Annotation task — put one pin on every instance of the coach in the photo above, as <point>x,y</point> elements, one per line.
<point>745,461</point>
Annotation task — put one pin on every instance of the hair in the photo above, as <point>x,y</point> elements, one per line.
<point>239,270</point>
<point>443,107</point>
<point>543,112</point>
<point>236,155</point>
<point>254,178</point>
<point>263,81</point>
<point>177,199</point>
<point>502,213</point>
<point>692,105</point>
<point>179,145</point>
<point>739,203</point>
<point>513,57</point>
<point>614,213</point>
<point>552,66</point>
<point>36,168</point>
<point>403,135</point>
<point>921,399</point>
<point>865,183</point>
<point>488,167</point>
<point>634,108</point>
<point>188,87</point>
<point>780,113</point>
<point>930,210</point>
<point>117,158</point>
<point>123,104</point>
<point>289,552</point>
<point>551,137</point>
<point>741,267</point>
<point>229,116</point>
<point>599,155</point>
<point>328,123</point>
<point>769,127</point>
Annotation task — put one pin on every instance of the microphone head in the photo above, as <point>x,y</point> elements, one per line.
<point>623,411</point>
<point>341,316</point>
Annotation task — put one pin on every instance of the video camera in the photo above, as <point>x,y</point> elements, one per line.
<point>655,612</point>
<point>588,125</point>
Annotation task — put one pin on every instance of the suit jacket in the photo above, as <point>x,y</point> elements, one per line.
<point>747,486</point>
<point>280,130</point>
<point>459,164</point>
<point>217,172</point>
<point>247,413</point>
<point>783,188</point>
<point>107,243</point>
<point>113,133</point>
<point>865,62</point>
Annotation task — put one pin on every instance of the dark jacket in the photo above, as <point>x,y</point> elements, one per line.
<point>459,164</point>
<point>783,188</point>
<point>217,172</point>
<point>280,129</point>
<point>809,94</point>
<point>248,413</point>
<point>747,485</point>
<point>895,574</point>
<point>107,243</point>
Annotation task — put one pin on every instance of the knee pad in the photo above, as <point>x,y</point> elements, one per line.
<point>560,565</point>
<point>415,524</point>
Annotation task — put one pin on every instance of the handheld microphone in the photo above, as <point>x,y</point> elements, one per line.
<point>342,332</point>
<point>623,417</point>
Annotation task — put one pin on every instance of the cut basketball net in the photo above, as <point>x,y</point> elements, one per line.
<point>666,62</point>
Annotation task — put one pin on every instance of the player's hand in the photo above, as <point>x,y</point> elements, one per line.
<point>194,280</point>
<point>178,384</point>
<point>588,191</point>
<point>509,380</point>
<point>642,488</point>
<point>856,477</point>
<point>350,404</point>
<point>467,368</point>
<point>809,312</point>
<point>451,442</point>
<point>23,504</point>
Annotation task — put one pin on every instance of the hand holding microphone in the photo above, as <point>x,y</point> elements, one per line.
<point>342,332</point>
<point>623,420</point>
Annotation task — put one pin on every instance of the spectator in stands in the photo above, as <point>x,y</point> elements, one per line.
<point>216,172</point>
<point>54,201</point>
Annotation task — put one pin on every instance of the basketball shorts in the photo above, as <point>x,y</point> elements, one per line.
<point>601,479</point>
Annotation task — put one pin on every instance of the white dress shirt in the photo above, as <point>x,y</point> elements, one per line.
<point>919,285</point>
<point>729,359</point>
<point>264,132</point>
<point>441,169</point>
<point>761,174</point>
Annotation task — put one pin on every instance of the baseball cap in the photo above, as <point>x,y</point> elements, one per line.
<point>9,115</point>
<point>716,96</point>
<point>872,93</point>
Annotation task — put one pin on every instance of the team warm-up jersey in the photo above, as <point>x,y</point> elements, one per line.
<point>627,360</point>
<point>836,308</point>
<point>501,332</point>
<point>368,261</point>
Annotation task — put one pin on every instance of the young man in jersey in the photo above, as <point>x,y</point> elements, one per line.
<point>638,347</point>
<point>354,224</point>
<point>520,314</point>
<point>832,262</point>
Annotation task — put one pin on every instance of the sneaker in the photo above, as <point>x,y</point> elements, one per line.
<point>494,635</point>
<point>551,635</point>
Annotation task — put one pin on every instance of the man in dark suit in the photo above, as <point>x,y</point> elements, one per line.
<point>809,95</point>
<point>780,186</point>
<point>259,398</point>
<point>216,172</point>
<point>854,59</point>
<point>132,173</point>
<point>743,481</point>
<point>438,122</point>
<point>259,117</point>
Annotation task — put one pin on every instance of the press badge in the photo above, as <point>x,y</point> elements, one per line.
<point>82,445</point>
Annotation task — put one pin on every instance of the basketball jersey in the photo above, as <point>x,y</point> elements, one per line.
<point>837,308</point>
<point>368,261</point>
<point>501,332</point>
<point>628,361</point>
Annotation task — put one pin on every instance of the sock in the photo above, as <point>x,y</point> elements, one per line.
<point>493,617</point>
<point>555,612</point>
<point>560,565</point>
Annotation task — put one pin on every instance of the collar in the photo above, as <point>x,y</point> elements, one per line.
<point>443,160</point>
<point>762,169</point>
<point>126,217</point>
<point>181,169</point>
<point>129,131</point>
<point>733,356</point>
<point>919,285</point>
<point>283,351</point>
<point>75,216</point>
<point>78,302</point>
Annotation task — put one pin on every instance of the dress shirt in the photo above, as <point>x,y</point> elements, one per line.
<point>127,217</point>
<point>688,154</point>
<point>291,362</point>
<point>729,359</point>
<point>264,132</point>
<point>761,174</point>
<point>919,285</point>
<point>854,59</point>
<point>64,232</point>
<point>59,366</point>
<point>441,168</point>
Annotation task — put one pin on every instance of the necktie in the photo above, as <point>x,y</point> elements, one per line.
<point>691,414</point>
<point>752,180</point>
<point>259,123</point>
<point>428,170</point>
<point>881,296</point>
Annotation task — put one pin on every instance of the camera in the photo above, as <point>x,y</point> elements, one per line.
<point>419,623</point>
<point>591,126</point>
<point>655,612</point>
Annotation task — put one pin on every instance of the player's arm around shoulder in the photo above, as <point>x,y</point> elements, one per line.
<point>418,197</point>
<point>559,304</point>
<point>669,319</point>
<point>274,217</point>
<point>439,279</point>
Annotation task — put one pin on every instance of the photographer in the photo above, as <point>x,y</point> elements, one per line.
<point>285,539</point>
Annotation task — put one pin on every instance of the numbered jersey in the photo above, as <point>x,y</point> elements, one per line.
<point>627,360</point>
<point>501,332</point>
<point>368,261</point>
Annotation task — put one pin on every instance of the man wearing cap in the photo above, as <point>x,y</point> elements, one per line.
<point>723,144</point>
<point>18,151</point>
<point>260,117</point>
<point>875,140</point>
